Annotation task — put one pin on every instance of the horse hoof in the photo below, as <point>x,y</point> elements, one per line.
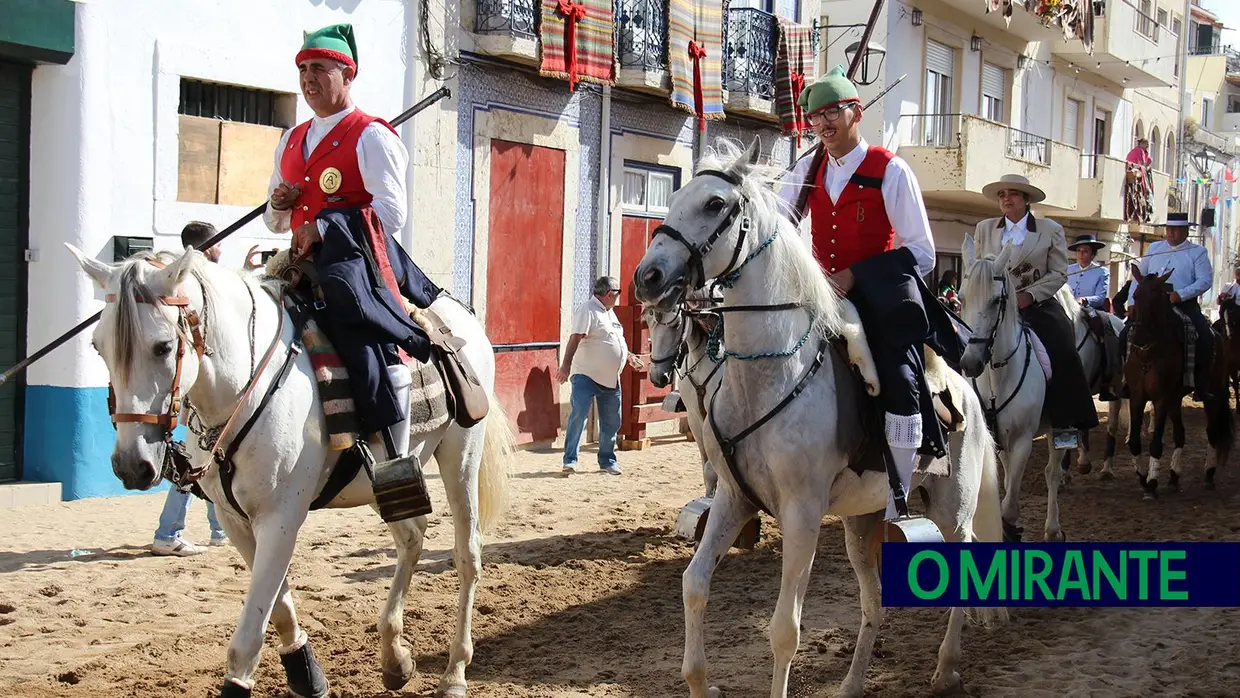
<point>1057,537</point>
<point>395,679</point>
<point>451,692</point>
<point>1173,483</point>
<point>234,690</point>
<point>1106,476</point>
<point>714,692</point>
<point>1209,478</point>
<point>1086,467</point>
<point>951,686</point>
<point>1011,533</point>
<point>303,673</point>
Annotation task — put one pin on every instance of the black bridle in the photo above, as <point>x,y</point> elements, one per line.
<point>697,254</point>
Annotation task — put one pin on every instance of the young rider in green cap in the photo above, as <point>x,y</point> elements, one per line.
<point>872,237</point>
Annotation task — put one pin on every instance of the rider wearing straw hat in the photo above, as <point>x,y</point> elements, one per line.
<point>1192,275</point>
<point>872,237</point>
<point>1039,264</point>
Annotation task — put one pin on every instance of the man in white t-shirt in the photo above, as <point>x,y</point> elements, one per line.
<point>595,355</point>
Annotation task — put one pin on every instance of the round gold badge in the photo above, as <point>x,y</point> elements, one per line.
<point>329,181</point>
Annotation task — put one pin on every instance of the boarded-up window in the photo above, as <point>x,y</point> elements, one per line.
<point>227,139</point>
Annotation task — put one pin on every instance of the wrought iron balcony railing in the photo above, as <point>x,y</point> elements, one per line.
<point>642,34</point>
<point>1023,145</point>
<point>749,53</point>
<point>510,17</point>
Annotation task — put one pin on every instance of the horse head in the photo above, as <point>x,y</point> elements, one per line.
<point>1151,310</point>
<point>1230,312</point>
<point>987,297</point>
<point>673,333</point>
<point>151,339</point>
<point>705,233</point>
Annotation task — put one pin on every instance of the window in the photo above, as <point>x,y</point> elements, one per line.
<point>1155,152</point>
<point>788,9</point>
<point>994,87</point>
<point>1162,18</point>
<point>1207,108</point>
<point>647,189</point>
<point>227,138</point>
<point>940,65</point>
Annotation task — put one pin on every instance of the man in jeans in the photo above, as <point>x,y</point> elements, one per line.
<point>168,540</point>
<point>596,354</point>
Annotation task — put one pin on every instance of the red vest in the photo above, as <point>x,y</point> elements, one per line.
<point>332,167</point>
<point>857,227</point>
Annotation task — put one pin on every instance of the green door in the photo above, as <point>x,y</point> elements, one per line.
<point>14,175</point>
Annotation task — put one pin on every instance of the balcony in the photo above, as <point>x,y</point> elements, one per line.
<point>507,28</point>
<point>1101,194</point>
<point>641,37</point>
<point>1231,123</point>
<point>1024,23</point>
<point>1126,44</point>
<point>749,62</point>
<point>955,155</point>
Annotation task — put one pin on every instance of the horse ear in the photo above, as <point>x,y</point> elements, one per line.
<point>101,272</point>
<point>969,250</point>
<point>1136,271</point>
<point>749,158</point>
<point>1164,277</point>
<point>1002,260</point>
<point>166,280</point>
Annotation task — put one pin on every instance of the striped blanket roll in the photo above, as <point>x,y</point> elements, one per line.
<point>593,38</point>
<point>794,70</point>
<point>699,23</point>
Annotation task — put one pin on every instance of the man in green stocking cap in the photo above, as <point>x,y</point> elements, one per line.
<point>872,237</point>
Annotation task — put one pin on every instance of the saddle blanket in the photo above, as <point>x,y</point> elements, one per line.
<point>1039,350</point>
<point>428,400</point>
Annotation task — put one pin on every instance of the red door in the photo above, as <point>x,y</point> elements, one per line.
<point>525,245</point>
<point>641,402</point>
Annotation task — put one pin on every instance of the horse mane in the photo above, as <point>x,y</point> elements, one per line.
<point>798,277</point>
<point>133,286</point>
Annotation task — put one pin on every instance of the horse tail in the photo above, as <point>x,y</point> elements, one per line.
<point>987,517</point>
<point>498,446</point>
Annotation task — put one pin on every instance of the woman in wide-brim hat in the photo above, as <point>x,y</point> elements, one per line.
<point>1033,195</point>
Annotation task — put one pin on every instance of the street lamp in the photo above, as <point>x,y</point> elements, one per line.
<point>1202,161</point>
<point>871,63</point>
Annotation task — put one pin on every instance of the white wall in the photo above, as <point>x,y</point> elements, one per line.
<point>104,134</point>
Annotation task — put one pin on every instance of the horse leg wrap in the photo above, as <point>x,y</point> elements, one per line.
<point>304,675</point>
<point>232,689</point>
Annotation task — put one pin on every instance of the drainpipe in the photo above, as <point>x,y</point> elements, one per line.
<point>603,258</point>
<point>409,134</point>
<point>1182,49</point>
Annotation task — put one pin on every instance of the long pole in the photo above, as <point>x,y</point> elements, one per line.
<point>865,39</point>
<point>258,211</point>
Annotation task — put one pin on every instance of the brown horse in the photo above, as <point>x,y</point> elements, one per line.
<point>1154,372</point>
<point>1228,325</point>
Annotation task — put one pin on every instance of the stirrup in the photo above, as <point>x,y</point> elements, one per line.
<point>1064,438</point>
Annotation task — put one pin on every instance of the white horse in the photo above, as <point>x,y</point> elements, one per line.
<point>681,335</point>
<point>1001,361</point>
<point>159,302</point>
<point>796,464</point>
<point>1092,353</point>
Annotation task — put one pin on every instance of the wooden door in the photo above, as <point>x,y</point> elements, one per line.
<point>525,250</point>
<point>641,402</point>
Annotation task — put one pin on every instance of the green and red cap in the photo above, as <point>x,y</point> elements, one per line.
<point>334,42</point>
<point>833,88</point>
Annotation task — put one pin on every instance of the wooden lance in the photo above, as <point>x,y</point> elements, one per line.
<point>215,240</point>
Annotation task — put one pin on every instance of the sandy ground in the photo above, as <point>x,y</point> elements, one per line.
<point>580,596</point>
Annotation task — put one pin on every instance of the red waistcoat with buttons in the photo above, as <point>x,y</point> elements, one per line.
<point>856,227</point>
<point>331,177</point>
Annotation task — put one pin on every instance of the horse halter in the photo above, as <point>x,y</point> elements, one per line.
<point>698,254</point>
<point>188,324</point>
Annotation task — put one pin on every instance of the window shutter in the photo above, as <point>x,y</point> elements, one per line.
<point>992,81</point>
<point>1071,117</point>
<point>939,58</point>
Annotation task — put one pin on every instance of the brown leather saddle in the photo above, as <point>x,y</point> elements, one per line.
<point>862,424</point>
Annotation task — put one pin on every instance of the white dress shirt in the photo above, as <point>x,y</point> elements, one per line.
<point>381,157</point>
<point>1014,233</point>
<point>1189,263</point>
<point>901,198</point>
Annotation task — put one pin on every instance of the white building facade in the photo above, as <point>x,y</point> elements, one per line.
<point>139,117</point>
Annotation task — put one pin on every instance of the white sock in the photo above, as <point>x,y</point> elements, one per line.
<point>904,438</point>
<point>402,381</point>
